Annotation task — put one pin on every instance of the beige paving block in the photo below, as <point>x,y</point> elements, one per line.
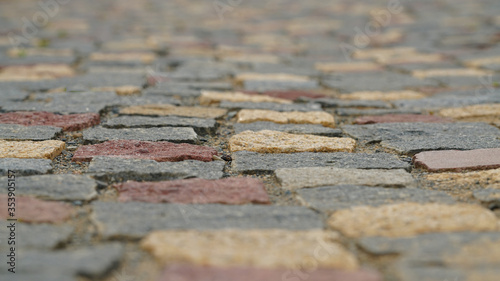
<point>294,117</point>
<point>476,254</point>
<point>210,97</point>
<point>482,61</point>
<point>22,52</point>
<point>250,58</point>
<point>255,248</point>
<point>29,149</point>
<point>409,219</point>
<point>485,179</point>
<point>378,53</point>
<point>167,109</point>
<point>477,110</point>
<point>35,72</point>
<point>121,90</point>
<point>413,58</point>
<point>385,96</point>
<point>278,142</point>
<point>347,67</point>
<point>467,72</point>
<point>240,78</point>
<point>145,57</point>
<point>388,37</point>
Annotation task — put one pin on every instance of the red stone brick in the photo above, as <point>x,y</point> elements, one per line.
<point>195,191</point>
<point>201,273</point>
<point>290,95</point>
<point>401,118</point>
<point>456,160</point>
<point>29,209</point>
<point>159,151</point>
<point>72,122</point>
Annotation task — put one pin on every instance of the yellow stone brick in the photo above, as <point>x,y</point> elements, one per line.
<point>240,78</point>
<point>29,149</point>
<point>121,90</point>
<point>477,110</point>
<point>294,117</point>
<point>482,61</point>
<point>35,72</point>
<point>347,67</point>
<point>145,57</point>
<point>385,96</point>
<point>487,178</point>
<point>468,72</point>
<point>210,97</point>
<point>167,109</point>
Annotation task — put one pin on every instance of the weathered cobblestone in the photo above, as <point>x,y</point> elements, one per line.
<point>28,149</point>
<point>73,122</point>
<point>201,126</point>
<point>452,160</point>
<point>309,129</point>
<point>25,167</point>
<point>20,132</point>
<point>171,134</point>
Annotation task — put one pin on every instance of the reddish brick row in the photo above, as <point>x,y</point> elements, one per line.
<point>455,160</point>
<point>71,122</point>
<point>29,209</point>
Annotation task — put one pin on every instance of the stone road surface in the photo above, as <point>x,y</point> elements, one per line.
<point>168,140</point>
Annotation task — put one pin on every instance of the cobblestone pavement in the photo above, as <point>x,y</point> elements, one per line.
<point>168,140</point>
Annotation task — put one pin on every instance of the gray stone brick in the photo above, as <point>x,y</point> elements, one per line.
<point>288,128</point>
<point>25,167</point>
<point>201,126</point>
<point>171,134</point>
<point>20,132</point>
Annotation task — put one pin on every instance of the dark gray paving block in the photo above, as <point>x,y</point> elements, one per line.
<point>204,71</point>
<point>20,132</point>
<point>262,85</point>
<point>172,134</point>
<point>91,261</point>
<point>25,167</point>
<point>327,102</point>
<point>56,187</point>
<point>458,81</point>
<point>200,125</point>
<point>252,162</point>
<point>288,128</point>
<point>122,169</point>
<point>375,81</point>
<point>37,236</point>
<point>128,219</point>
<point>331,198</point>
<point>271,106</point>
<point>185,89</point>
<point>30,60</point>
<point>288,69</point>
<point>358,112</point>
<point>7,94</point>
<point>411,138</point>
<point>142,100</point>
<point>448,99</point>
<point>488,195</point>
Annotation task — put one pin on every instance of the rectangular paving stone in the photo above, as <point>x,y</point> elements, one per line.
<point>201,126</point>
<point>117,169</point>
<point>29,149</point>
<point>277,142</point>
<point>166,110</point>
<point>453,160</point>
<point>309,129</point>
<point>25,167</point>
<point>447,100</point>
<point>307,177</point>
<point>35,72</point>
<point>204,273</point>
<point>332,198</point>
<point>401,118</point>
<point>38,236</point>
<point>278,81</point>
<point>73,122</point>
<point>385,96</point>
<point>211,97</point>
<point>253,163</point>
<point>56,187</point>
<point>370,112</point>
<point>282,248</point>
<point>32,210</point>
<point>295,117</point>
<point>271,106</point>
<point>20,132</point>
<point>347,67</point>
<point>410,138</point>
<point>409,219</point>
<point>127,219</point>
<point>289,95</point>
<point>478,110</point>
<point>232,191</point>
<point>467,180</point>
<point>158,151</point>
<point>331,102</point>
<point>171,134</point>
<point>374,81</point>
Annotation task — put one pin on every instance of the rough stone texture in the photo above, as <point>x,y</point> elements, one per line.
<point>92,261</point>
<point>25,167</point>
<point>462,72</point>
<point>295,178</point>
<point>454,160</point>
<point>38,236</point>
<point>478,110</point>
<point>127,219</point>
<point>165,110</point>
<point>56,187</point>
<point>29,209</point>
<point>73,122</point>
<point>199,125</point>
<point>121,169</point>
<point>347,67</point>
<point>120,90</point>
<point>203,273</point>
<point>277,142</point>
<point>385,96</point>
<point>282,249</point>
<point>305,107</point>
<point>20,132</point>
<point>488,178</point>
<point>29,149</point>
<point>252,162</point>
<point>171,134</point>
<point>357,112</point>
<point>309,129</point>
<point>401,118</point>
<point>289,95</point>
<point>374,81</point>
<point>209,98</point>
<point>278,81</point>
<point>331,198</point>
<point>408,219</point>
<point>158,151</point>
<point>35,72</point>
<point>195,191</point>
<point>331,102</point>
<point>488,195</point>
<point>450,99</point>
<point>415,137</point>
<point>313,117</point>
